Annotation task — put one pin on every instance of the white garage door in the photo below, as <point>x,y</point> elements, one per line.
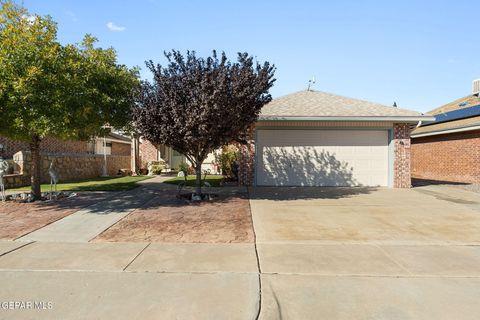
<point>322,158</point>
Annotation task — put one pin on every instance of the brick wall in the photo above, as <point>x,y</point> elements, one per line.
<point>69,166</point>
<point>448,157</point>
<point>121,149</point>
<point>148,152</point>
<point>48,145</point>
<point>401,162</point>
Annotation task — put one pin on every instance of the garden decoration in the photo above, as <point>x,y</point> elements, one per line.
<point>150,167</point>
<point>52,171</point>
<point>182,184</point>
<point>3,171</point>
<point>207,185</point>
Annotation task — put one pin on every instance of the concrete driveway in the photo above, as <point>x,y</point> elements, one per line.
<point>366,253</point>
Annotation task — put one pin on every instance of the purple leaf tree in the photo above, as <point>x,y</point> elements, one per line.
<point>197,105</point>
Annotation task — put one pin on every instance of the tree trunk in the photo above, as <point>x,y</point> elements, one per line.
<point>35,167</point>
<point>198,170</point>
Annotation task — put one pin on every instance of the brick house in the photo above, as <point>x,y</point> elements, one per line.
<point>448,149</point>
<point>73,159</point>
<point>116,144</point>
<point>144,151</point>
<point>312,138</point>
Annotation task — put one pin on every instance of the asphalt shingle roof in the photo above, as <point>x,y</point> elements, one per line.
<point>322,104</point>
<point>465,102</point>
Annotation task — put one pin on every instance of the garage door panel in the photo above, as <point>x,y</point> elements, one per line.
<point>322,157</point>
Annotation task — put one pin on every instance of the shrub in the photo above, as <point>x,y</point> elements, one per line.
<point>227,159</point>
<point>186,168</point>
<point>156,166</point>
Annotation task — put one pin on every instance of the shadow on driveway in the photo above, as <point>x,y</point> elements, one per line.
<point>305,193</point>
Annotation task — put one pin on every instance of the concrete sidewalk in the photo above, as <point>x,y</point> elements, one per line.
<point>221,281</point>
<point>130,280</point>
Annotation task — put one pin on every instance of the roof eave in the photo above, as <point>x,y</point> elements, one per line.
<point>446,131</point>
<point>405,119</point>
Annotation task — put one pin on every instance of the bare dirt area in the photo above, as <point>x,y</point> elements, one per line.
<point>18,219</point>
<point>166,218</point>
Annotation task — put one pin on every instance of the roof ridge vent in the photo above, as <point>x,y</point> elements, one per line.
<point>476,87</point>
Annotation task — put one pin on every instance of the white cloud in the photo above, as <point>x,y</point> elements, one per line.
<point>113,27</point>
<point>71,15</point>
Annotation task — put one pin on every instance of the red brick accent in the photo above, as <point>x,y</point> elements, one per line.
<point>401,163</point>
<point>448,157</point>
<point>48,145</point>
<point>148,152</point>
<point>247,160</point>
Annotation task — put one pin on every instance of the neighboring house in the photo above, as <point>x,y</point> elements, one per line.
<point>116,144</point>
<point>147,151</point>
<point>111,144</point>
<point>448,149</point>
<point>73,159</point>
<point>312,138</point>
<point>144,151</point>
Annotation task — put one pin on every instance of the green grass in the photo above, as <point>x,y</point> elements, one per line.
<point>95,184</point>
<point>214,180</point>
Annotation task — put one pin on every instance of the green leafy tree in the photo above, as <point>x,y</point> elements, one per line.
<point>50,89</point>
<point>197,105</point>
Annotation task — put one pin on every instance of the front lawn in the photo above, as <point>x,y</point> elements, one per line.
<point>94,184</point>
<point>214,180</point>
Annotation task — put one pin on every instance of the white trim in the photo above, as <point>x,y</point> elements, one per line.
<point>113,140</point>
<point>120,141</point>
<point>446,131</point>
<point>412,119</point>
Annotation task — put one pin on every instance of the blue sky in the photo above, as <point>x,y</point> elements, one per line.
<point>420,54</point>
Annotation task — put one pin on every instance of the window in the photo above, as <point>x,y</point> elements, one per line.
<point>102,147</point>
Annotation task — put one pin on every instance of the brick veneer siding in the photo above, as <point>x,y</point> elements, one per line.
<point>121,149</point>
<point>401,161</point>
<point>48,145</point>
<point>448,157</point>
<point>148,152</point>
<point>69,166</point>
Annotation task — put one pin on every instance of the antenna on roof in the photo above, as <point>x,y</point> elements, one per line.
<point>394,104</point>
<point>310,83</point>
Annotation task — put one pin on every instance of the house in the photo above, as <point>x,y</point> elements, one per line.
<point>448,149</point>
<point>73,159</point>
<point>116,144</point>
<point>313,138</point>
<point>144,151</point>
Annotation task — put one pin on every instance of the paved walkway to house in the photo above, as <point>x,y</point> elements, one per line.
<point>19,219</point>
<point>152,213</point>
<point>87,223</point>
<point>346,253</point>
